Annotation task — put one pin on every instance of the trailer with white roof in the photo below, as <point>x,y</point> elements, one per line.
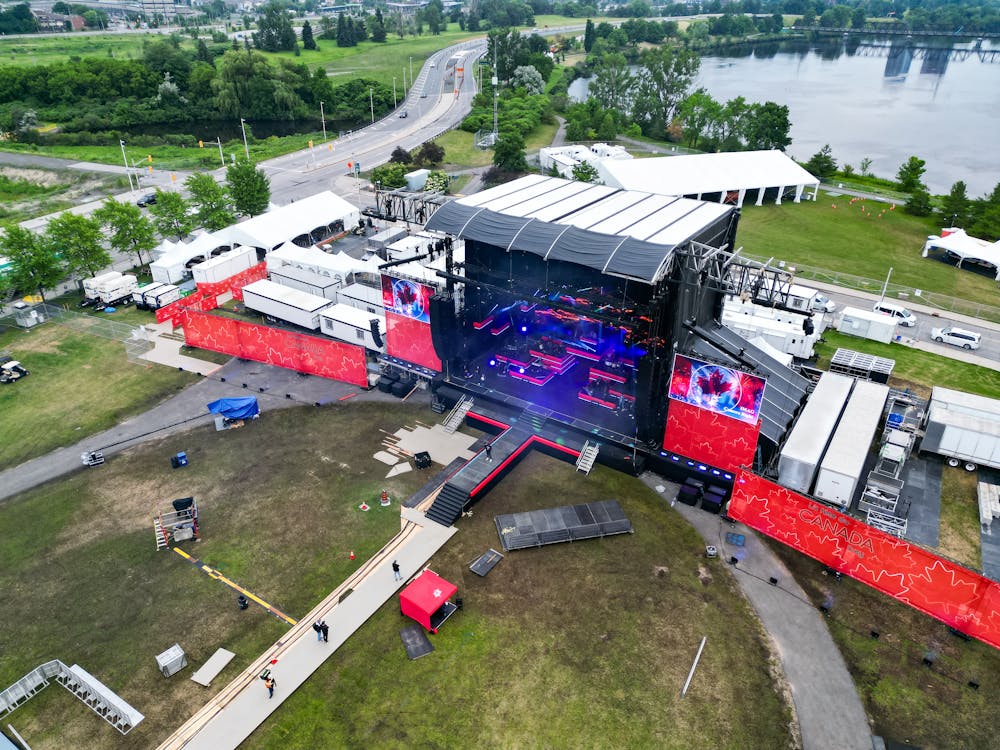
<point>284,303</point>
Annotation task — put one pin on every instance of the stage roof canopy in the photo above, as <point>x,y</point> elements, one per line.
<point>618,232</point>
<point>702,174</point>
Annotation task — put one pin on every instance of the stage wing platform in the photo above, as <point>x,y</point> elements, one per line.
<point>567,523</point>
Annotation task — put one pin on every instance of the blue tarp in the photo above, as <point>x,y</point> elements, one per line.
<point>235,408</point>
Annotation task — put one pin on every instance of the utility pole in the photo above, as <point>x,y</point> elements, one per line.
<point>394,104</point>
<point>885,286</point>
<point>127,172</point>
<point>222,156</point>
<point>411,70</point>
<point>404,80</point>
<point>246,148</point>
<point>322,117</point>
<point>371,102</point>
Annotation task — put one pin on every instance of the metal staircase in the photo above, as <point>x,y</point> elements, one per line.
<point>457,415</point>
<point>448,505</point>
<point>588,455</point>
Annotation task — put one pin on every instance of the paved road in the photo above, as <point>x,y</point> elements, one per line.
<point>827,707</point>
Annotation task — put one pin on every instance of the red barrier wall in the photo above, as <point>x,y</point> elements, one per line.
<point>703,435</point>
<point>410,339</point>
<point>235,283</point>
<point>940,588</point>
<point>275,346</point>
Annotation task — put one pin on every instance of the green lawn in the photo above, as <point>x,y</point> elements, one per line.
<point>848,240</point>
<point>916,367</point>
<point>43,50</point>
<point>576,645</point>
<point>79,384</point>
<point>959,531</point>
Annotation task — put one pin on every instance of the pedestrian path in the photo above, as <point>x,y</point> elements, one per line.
<point>232,715</point>
<point>828,710</point>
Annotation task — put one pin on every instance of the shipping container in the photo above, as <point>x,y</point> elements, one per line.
<point>138,297</point>
<point>867,324</point>
<point>353,326</point>
<point>284,303</point>
<point>844,461</point>
<point>306,280</point>
<point>803,450</point>
<point>162,297</point>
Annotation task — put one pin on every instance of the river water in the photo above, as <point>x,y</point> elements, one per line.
<point>877,99</point>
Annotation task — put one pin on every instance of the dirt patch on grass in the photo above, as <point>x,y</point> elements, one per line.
<point>42,177</point>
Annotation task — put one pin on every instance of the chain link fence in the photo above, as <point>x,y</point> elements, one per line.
<point>941,302</point>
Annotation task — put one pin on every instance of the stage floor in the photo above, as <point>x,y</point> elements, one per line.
<point>558,397</point>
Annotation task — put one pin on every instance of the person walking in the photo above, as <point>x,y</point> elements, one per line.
<point>489,452</point>
<point>325,630</point>
<point>318,627</point>
<point>270,683</point>
<point>395,571</point>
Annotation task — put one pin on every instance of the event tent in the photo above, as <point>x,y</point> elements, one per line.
<point>426,600</point>
<point>173,266</point>
<point>725,177</point>
<point>303,222</point>
<point>956,243</point>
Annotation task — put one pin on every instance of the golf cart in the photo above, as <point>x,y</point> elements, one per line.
<point>11,370</point>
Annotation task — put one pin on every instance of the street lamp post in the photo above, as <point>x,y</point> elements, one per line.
<point>371,101</point>
<point>322,117</point>
<point>411,70</point>
<point>125,159</point>
<point>394,103</point>
<point>404,80</point>
<point>222,156</point>
<point>246,148</point>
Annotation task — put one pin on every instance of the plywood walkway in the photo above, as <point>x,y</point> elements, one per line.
<point>230,717</point>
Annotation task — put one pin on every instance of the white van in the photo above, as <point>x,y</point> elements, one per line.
<point>902,316</point>
<point>956,337</point>
<point>822,303</point>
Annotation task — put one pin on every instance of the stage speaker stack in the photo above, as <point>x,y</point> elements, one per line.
<point>688,494</point>
<point>386,382</point>
<point>444,326</point>
<point>376,334</point>
<point>401,387</point>
<point>711,503</point>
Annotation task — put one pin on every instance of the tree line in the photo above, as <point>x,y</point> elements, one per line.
<point>75,246</point>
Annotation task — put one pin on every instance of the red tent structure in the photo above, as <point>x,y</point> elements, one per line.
<point>426,600</point>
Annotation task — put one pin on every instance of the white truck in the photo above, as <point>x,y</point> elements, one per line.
<point>284,303</point>
<point>844,460</point>
<point>118,291</point>
<point>964,428</point>
<point>798,297</point>
<point>138,297</point>
<point>92,287</point>
<point>803,450</point>
<point>867,325</point>
<point>162,297</point>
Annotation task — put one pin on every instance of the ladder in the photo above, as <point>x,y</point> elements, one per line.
<point>457,416</point>
<point>587,457</point>
<point>161,535</point>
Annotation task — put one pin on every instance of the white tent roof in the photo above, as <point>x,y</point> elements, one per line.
<point>966,248</point>
<point>313,259</point>
<point>181,253</point>
<point>705,173</point>
<point>288,222</point>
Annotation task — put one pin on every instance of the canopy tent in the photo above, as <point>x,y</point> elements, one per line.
<point>306,221</point>
<point>172,266</point>
<point>957,244</point>
<point>245,407</point>
<point>730,175</point>
<point>426,600</point>
<point>334,265</point>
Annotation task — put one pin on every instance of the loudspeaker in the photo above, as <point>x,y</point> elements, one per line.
<point>376,334</point>
<point>444,326</point>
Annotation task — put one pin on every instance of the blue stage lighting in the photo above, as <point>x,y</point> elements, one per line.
<point>524,329</point>
<point>493,363</point>
<point>520,370</point>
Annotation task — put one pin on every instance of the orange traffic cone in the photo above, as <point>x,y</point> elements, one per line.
<point>352,555</point>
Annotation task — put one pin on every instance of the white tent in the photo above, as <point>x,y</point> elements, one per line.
<point>730,176</point>
<point>335,265</point>
<point>310,219</point>
<point>173,266</point>
<point>956,243</point>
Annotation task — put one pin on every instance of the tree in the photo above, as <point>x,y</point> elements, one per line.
<point>508,153</point>
<point>919,202</point>
<point>698,114</point>
<point>584,171</point>
<point>33,266</point>
<point>767,127</point>
<point>909,174</point>
<point>274,30</point>
<point>822,164</point>
<point>614,87</point>
<point>589,35</point>
<point>210,202</point>
<point>437,182</point>
<point>859,18</point>
<point>171,215</point>
<point>78,240</point>
<point>391,175</point>
<point>865,167</point>
<point>528,78</point>
<point>249,188</point>
<point>203,54</point>
<point>955,206</point>
<point>429,154</point>
<point>308,42</point>
<point>400,156</point>
<point>664,79</point>
<point>376,26</point>
<point>128,231</point>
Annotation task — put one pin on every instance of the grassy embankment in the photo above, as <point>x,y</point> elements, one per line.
<point>568,646</point>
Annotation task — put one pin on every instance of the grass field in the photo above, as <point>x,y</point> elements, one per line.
<point>959,531</point>
<point>847,240</point>
<point>915,367</point>
<point>582,645</point>
<point>79,384</point>
<point>930,708</point>
<point>44,50</point>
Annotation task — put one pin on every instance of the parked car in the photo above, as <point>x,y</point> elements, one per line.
<point>404,114</point>
<point>147,200</point>
<point>903,316</point>
<point>956,337</point>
